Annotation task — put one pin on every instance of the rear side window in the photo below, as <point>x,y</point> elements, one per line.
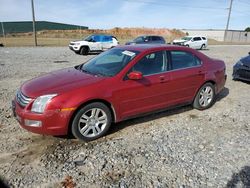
<point>181,59</point>
<point>196,38</point>
<point>204,38</point>
<point>154,38</point>
<point>106,39</point>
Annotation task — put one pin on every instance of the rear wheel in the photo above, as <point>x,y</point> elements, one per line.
<point>84,50</point>
<point>202,47</point>
<point>91,122</point>
<point>205,97</point>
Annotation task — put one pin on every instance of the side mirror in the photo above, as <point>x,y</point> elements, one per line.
<point>192,40</point>
<point>135,75</point>
<point>248,53</point>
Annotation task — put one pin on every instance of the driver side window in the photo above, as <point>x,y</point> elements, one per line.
<point>151,64</point>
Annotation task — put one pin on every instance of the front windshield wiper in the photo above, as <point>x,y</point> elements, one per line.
<point>86,71</point>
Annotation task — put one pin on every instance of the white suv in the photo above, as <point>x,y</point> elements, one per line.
<point>196,42</point>
<point>93,43</point>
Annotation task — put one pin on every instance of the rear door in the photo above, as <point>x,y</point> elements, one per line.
<point>187,73</point>
<point>107,42</point>
<point>197,42</point>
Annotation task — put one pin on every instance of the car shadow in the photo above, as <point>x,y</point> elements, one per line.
<point>241,178</point>
<point>222,94</point>
<point>148,117</point>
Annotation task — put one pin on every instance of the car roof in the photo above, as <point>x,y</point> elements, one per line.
<point>195,36</point>
<point>149,47</point>
<point>101,35</point>
<point>149,36</point>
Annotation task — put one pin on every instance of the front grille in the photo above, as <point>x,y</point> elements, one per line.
<point>72,43</point>
<point>244,73</point>
<point>22,99</point>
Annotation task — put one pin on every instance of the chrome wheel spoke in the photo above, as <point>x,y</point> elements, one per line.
<point>84,129</point>
<point>98,129</point>
<point>85,133</point>
<point>94,131</point>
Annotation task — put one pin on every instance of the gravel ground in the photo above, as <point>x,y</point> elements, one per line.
<point>176,148</point>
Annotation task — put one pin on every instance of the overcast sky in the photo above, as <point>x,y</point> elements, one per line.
<point>188,14</point>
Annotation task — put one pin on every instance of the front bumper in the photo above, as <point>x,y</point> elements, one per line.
<point>53,122</point>
<point>241,73</point>
<point>74,48</point>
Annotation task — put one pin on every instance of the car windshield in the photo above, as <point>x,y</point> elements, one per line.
<point>186,38</point>
<point>89,38</point>
<point>139,39</point>
<point>109,63</point>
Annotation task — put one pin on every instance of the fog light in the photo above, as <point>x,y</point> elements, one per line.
<point>32,123</point>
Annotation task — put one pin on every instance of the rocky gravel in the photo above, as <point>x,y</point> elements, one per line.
<point>182,147</point>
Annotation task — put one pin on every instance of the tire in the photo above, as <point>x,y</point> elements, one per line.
<point>202,47</point>
<point>84,50</point>
<point>207,91</point>
<point>187,45</point>
<point>91,122</point>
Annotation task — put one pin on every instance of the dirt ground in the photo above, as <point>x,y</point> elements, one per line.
<point>183,147</point>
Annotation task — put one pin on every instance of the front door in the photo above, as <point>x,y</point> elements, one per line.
<point>147,94</point>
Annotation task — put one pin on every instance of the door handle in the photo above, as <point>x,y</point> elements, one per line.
<point>200,72</point>
<point>163,79</point>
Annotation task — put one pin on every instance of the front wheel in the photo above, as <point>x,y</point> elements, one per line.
<point>84,50</point>
<point>205,97</point>
<point>91,122</point>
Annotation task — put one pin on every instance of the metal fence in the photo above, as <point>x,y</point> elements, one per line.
<point>237,36</point>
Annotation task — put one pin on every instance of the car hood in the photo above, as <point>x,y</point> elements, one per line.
<point>180,40</point>
<point>58,82</point>
<point>246,60</point>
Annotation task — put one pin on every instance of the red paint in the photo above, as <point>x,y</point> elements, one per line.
<point>127,97</point>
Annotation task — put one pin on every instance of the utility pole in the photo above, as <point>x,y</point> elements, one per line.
<point>3,32</point>
<point>228,19</point>
<point>34,22</point>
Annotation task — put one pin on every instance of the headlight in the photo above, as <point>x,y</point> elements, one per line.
<point>40,103</point>
<point>239,63</point>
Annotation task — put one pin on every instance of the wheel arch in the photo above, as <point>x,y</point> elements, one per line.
<point>108,104</point>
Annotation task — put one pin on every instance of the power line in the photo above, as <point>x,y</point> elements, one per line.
<point>175,4</point>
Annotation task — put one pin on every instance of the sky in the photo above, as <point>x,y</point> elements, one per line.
<point>105,14</point>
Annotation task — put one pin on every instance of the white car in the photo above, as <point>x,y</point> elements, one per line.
<point>196,42</point>
<point>93,43</point>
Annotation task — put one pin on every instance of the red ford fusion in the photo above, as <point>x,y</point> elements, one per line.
<point>119,84</point>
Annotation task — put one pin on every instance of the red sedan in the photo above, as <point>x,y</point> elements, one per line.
<point>118,84</point>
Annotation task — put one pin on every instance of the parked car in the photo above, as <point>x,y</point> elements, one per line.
<point>241,70</point>
<point>147,40</point>
<point>121,83</point>
<point>196,42</point>
<point>93,43</point>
